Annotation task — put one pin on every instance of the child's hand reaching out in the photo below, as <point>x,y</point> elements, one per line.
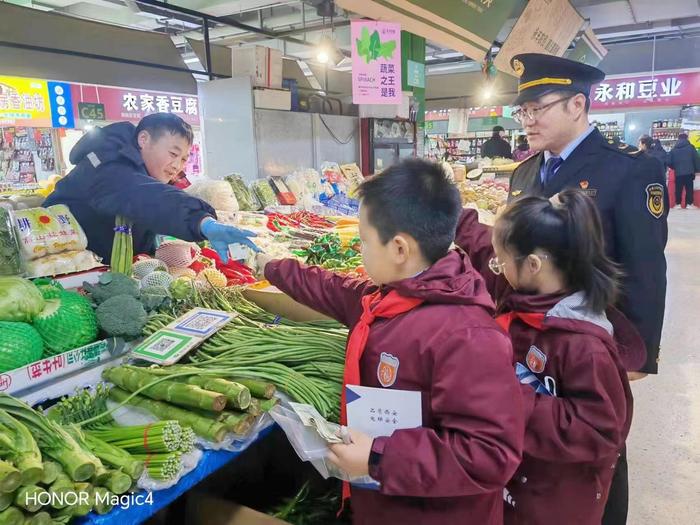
<point>352,458</point>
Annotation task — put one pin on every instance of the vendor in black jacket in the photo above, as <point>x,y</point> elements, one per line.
<point>685,161</point>
<point>627,186</point>
<point>497,146</point>
<point>128,171</point>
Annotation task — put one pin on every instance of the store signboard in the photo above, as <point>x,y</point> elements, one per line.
<point>486,111</point>
<point>61,105</point>
<point>588,49</point>
<point>416,74</point>
<point>24,102</point>
<point>546,26</point>
<point>133,104</point>
<point>651,90</point>
<point>467,26</point>
<point>376,62</point>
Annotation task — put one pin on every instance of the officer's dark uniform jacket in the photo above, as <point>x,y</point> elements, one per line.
<point>630,192</point>
<point>110,179</point>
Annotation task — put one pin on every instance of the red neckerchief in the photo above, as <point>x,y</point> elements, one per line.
<point>374,306</point>
<point>535,320</point>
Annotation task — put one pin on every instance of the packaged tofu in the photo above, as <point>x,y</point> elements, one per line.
<point>48,231</point>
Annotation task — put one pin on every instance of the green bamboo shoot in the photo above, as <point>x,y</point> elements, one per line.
<point>237,395</point>
<point>10,477</point>
<point>53,439</point>
<point>103,500</point>
<point>117,482</point>
<point>40,518</point>
<point>205,428</point>
<point>6,499</point>
<point>268,404</point>
<point>257,388</point>
<point>11,516</point>
<point>59,491</point>
<point>18,445</point>
<point>29,498</point>
<point>254,409</point>
<point>51,471</point>
<point>133,379</point>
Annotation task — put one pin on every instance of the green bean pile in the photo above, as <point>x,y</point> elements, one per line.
<point>304,360</point>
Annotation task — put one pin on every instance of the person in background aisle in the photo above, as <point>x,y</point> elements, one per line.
<point>628,188</point>
<point>497,146</point>
<point>423,323</point>
<point>545,265</point>
<point>522,151</point>
<point>130,171</point>
<point>685,161</point>
<point>653,148</point>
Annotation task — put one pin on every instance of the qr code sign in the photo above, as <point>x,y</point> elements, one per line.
<point>163,345</point>
<point>201,322</point>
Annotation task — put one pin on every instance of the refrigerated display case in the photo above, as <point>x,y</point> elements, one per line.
<point>387,142</point>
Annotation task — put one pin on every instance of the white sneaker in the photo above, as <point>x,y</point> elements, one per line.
<point>692,207</point>
<point>677,207</point>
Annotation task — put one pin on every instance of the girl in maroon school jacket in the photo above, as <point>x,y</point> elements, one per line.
<point>545,266</point>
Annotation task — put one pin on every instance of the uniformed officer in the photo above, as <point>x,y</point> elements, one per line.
<point>628,187</point>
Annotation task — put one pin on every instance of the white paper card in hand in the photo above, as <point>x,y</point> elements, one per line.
<point>380,411</point>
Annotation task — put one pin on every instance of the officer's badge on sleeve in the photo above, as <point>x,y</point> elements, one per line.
<point>655,199</point>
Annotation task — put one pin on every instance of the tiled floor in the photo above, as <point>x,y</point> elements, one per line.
<point>664,444</point>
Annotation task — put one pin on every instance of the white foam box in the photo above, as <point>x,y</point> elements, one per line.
<point>262,64</point>
<point>273,99</point>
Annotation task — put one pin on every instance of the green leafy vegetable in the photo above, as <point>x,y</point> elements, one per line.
<point>20,300</point>
<point>370,47</point>
<point>10,259</point>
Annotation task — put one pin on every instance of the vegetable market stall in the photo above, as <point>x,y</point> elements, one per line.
<point>211,462</point>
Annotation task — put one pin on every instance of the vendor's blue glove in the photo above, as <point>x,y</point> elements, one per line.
<point>221,235</point>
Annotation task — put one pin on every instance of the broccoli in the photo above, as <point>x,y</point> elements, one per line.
<point>153,297</point>
<point>112,285</point>
<point>122,316</point>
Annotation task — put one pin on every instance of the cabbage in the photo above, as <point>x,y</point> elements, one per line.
<point>20,300</point>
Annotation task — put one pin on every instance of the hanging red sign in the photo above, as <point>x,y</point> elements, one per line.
<point>663,89</point>
<point>134,104</point>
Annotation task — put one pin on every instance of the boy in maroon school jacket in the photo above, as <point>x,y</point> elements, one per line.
<point>570,356</point>
<point>445,344</point>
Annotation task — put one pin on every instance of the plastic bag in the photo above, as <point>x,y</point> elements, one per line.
<point>63,263</point>
<point>48,231</point>
<point>246,201</point>
<point>217,193</point>
<point>11,262</point>
<point>311,447</point>
<point>353,177</point>
<point>332,181</point>
<point>263,192</point>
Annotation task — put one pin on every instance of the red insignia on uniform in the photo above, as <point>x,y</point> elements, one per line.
<point>536,359</point>
<point>388,369</point>
<point>583,184</point>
